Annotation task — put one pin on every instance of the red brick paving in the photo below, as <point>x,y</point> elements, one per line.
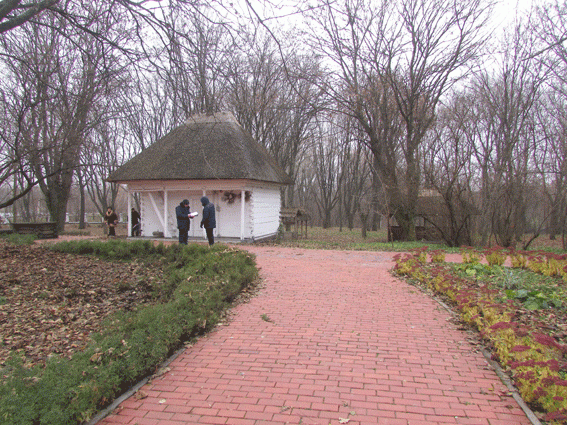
<point>345,341</point>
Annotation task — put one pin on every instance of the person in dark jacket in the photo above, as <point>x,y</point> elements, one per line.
<point>135,223</point>
<point>112,220</point>
<point>208,221</point>
<point>183,214</point>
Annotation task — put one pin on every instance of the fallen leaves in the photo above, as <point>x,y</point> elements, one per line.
<point>51,303</point>
<point>140,395</point>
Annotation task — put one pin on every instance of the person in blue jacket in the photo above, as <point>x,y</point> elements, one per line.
<point>183,214</point>
<point>208,221</point>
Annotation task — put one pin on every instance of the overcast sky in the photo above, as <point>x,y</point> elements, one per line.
<point>505,10</point>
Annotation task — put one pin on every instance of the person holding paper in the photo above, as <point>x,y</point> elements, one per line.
<point>183,214</point>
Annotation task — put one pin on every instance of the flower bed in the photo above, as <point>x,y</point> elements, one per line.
<point>522,320</point>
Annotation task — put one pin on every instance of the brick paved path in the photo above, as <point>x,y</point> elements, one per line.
<point>345,343</point>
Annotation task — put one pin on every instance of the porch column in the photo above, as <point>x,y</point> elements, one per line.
<point>242,212</point>
<point>129,211</point>
<point>204,231</point>
<point>165,226</point>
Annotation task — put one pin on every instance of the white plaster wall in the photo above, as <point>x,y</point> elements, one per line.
<point>150,220</point>
<point>228,218</point>
<point>266,211</point>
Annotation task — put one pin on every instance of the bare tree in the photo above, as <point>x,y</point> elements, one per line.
<point>58,86</point>
<point>76,14</point>
<point>277,100</point>
<point>327,173</point>
<point>13,13</point>
<point>550,158</point>
<point>505,102</point>
<point>193,62</point>
<point>448,169</point>
<point>147,112</point>
<point>16,170</point>
<point>355,174</point>
<point>410,52</point>
<point>549,25</point>
<point>100,35</point>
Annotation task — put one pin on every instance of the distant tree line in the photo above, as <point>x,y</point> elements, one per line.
<point>367,105</point>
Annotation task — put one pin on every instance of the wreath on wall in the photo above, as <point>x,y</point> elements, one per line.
<point>229,196</point>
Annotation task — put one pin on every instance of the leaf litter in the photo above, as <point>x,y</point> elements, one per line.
<point>51,303</point>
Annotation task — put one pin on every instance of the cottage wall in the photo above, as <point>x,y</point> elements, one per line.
<point>261,210</point>
<point>228,218</point>
<point>150,220</point>
<point>265,217</point>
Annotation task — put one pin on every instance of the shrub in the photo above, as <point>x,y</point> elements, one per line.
<point>518,259</point>
<point>495,256</point>
<point>420,254</point>
<point>470,255</point>
<point>437,256</point>
<point>111,250</point>
<point>17,239</point>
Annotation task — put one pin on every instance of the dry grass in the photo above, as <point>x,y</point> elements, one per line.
<point>95,230</point>
<point>332,238</point>
<point>335,238</point>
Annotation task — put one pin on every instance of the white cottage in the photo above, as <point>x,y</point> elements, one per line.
<point>213,156</point>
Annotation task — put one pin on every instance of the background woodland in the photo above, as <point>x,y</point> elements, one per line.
<point>408,109</point>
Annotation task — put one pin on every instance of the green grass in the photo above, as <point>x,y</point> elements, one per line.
<point>18,239</point>
<point>78,232</point>
<point>345,239</point>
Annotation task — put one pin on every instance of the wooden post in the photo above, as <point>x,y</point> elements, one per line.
<point>242,212</point>
<point>129,212</point>
<point>165,211</point>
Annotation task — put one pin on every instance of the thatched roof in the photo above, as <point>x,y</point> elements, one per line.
<point>205,147</point>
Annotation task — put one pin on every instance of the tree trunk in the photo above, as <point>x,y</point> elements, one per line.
<point>376,188</point>
<point>553,223</point>
<point>57,195</point>
<point>327,219</point>
<point>363,220</point>
<point>405,220</point>
<point>82,206</point>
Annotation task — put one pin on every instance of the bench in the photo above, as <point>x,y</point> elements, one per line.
<point>41,230</point>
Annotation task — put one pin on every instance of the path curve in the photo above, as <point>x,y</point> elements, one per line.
<point>331,338</point>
